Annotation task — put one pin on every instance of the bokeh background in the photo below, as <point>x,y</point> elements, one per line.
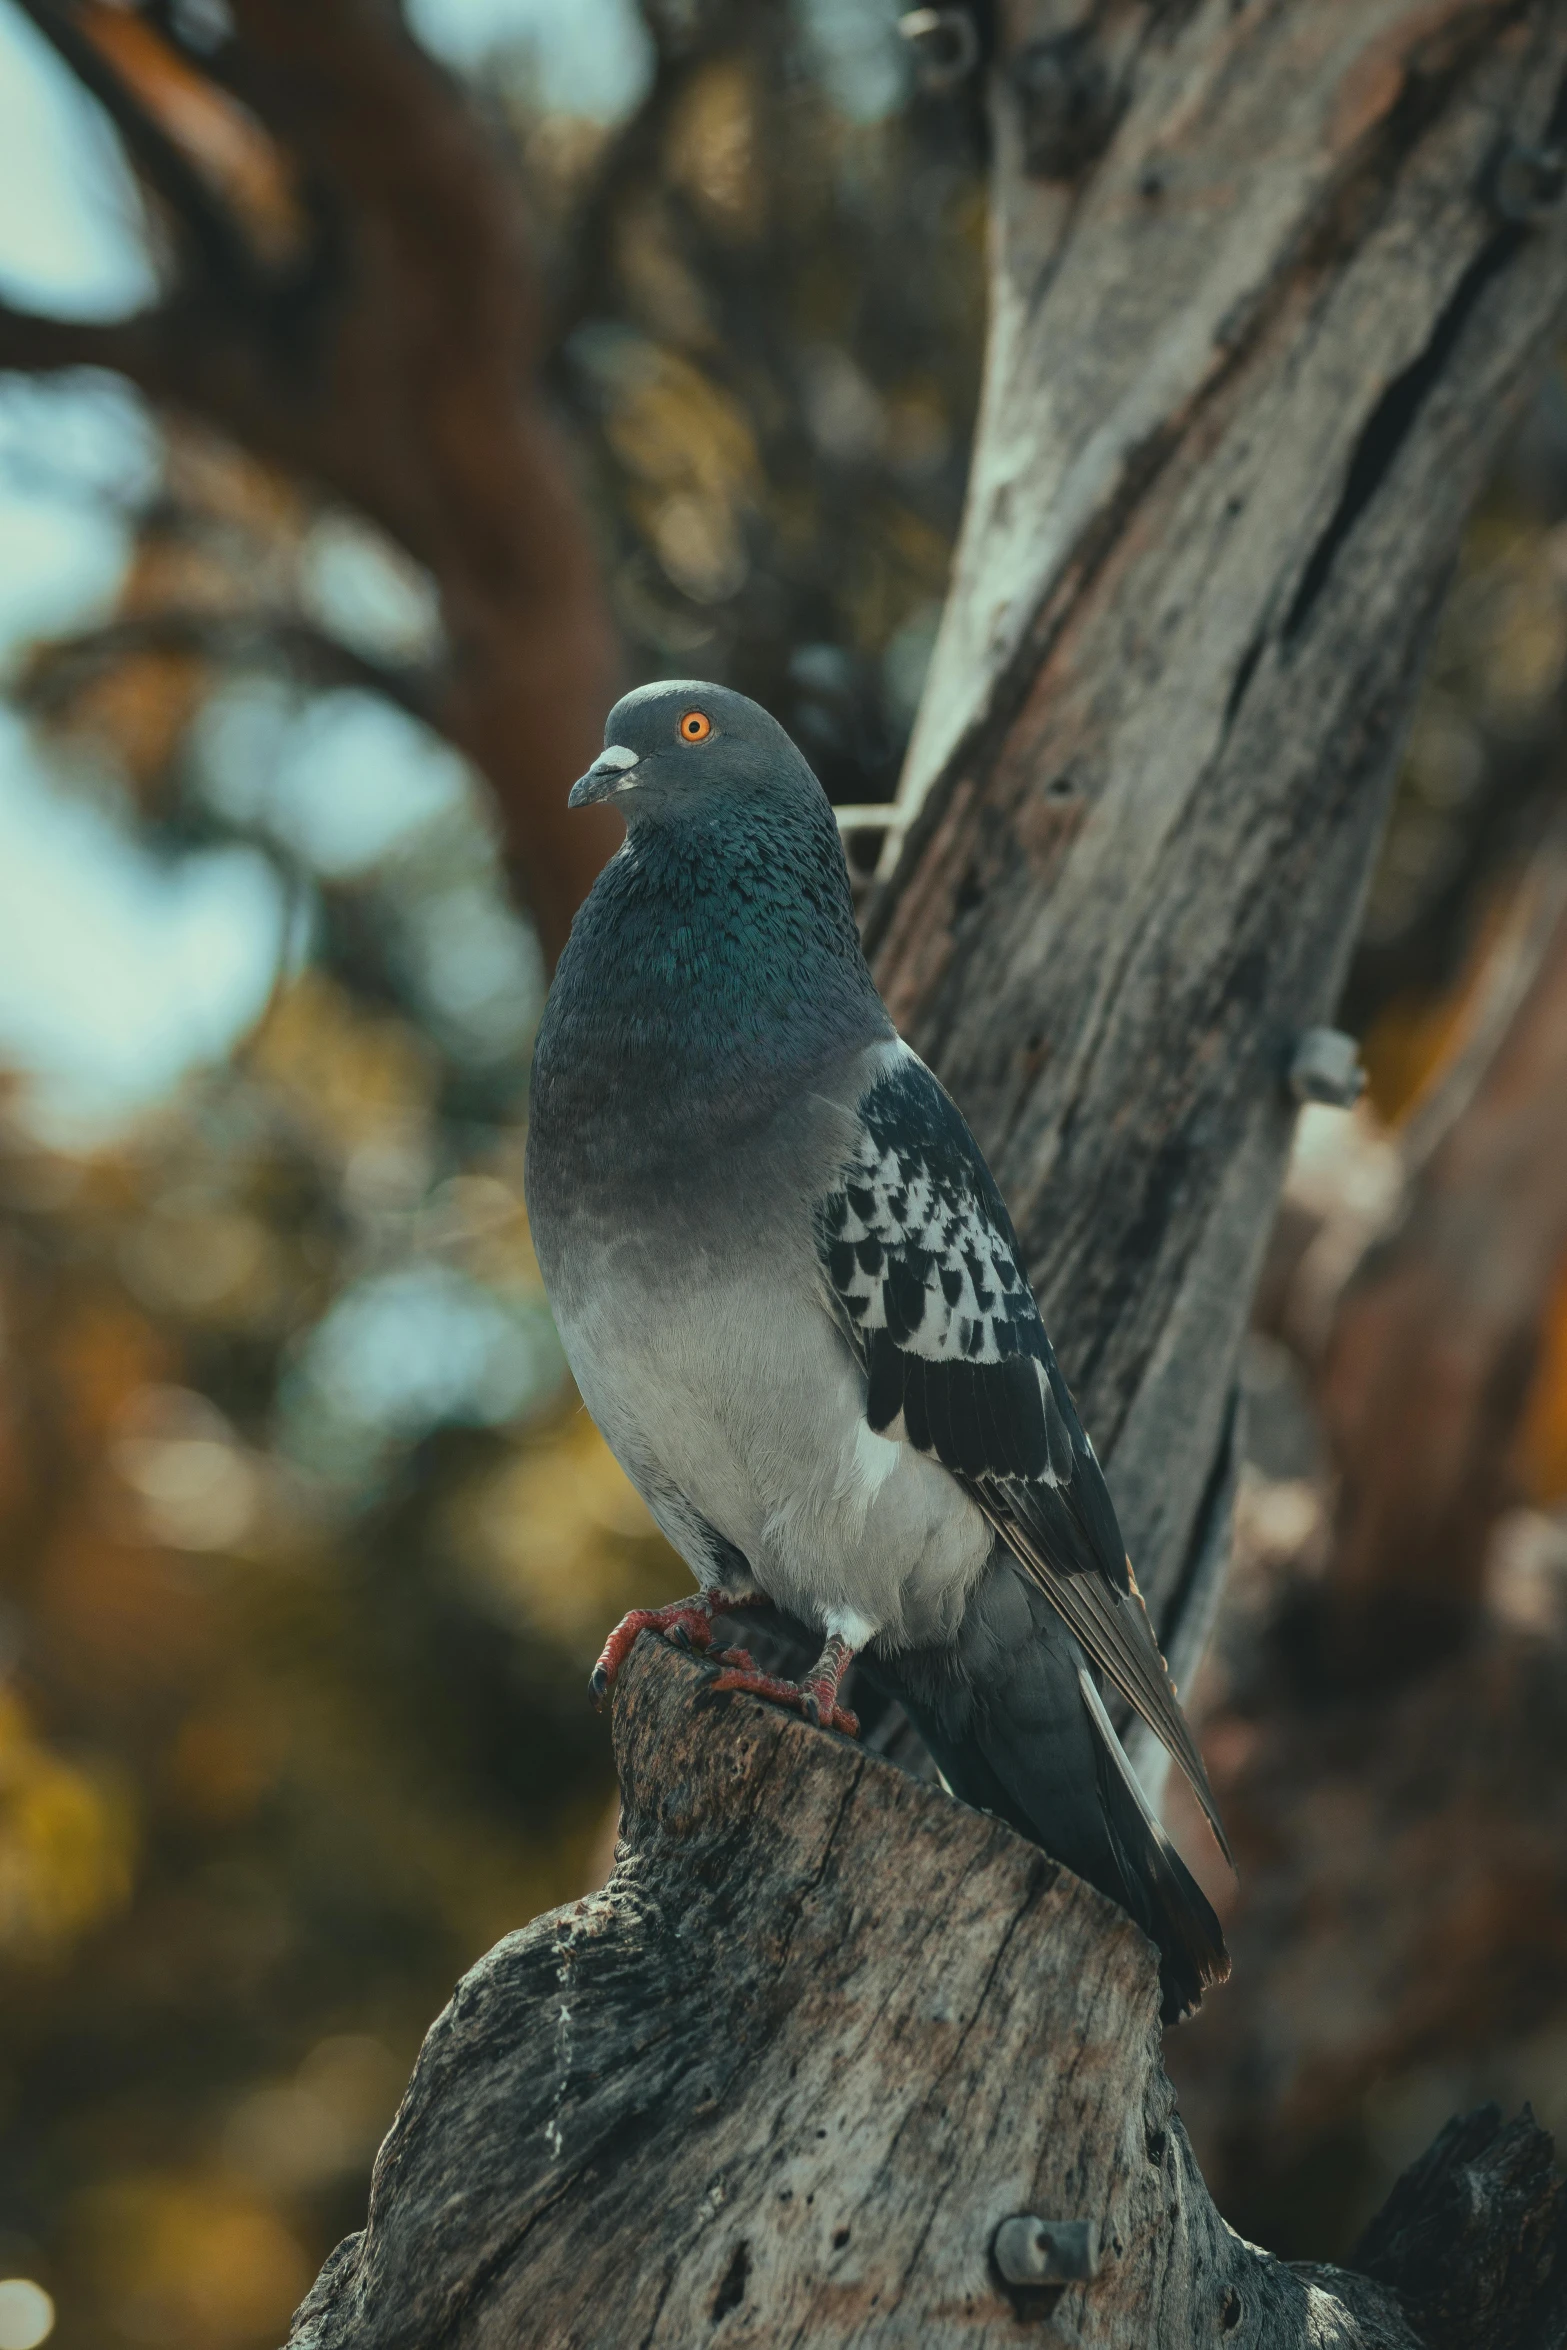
<point>305,1545</point>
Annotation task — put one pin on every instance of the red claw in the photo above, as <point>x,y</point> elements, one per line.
<point>816,1699</point>
<point>688,1621</point>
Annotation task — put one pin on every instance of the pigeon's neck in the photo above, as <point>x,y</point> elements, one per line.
<point>712,968</point>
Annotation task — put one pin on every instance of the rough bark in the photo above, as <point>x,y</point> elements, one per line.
<point>1436,2238</point>
<point>1244,380</point>
<point>782,2080</point>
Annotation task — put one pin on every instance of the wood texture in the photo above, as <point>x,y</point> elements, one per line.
<point>1245,377</point>
<point>780,2082</point>
<point>1436,2239</point>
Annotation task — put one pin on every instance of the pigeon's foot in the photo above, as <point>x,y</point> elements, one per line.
<point>816,1696</point>
<point>687,1622</point>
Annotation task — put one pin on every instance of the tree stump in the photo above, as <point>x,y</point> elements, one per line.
<point>784,2079</point>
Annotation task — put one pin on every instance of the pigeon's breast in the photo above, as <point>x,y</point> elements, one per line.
<point>734,1404</point>
<point>694,1317</point>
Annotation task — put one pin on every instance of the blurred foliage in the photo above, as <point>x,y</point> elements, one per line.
<point>1484,776</point>
<point>305,1549</point>
<point>1482,789</point>
<point>771,323</point>
<point>1542,1443</point>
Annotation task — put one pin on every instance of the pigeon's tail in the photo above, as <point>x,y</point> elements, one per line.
<point>1015,1722</point>
<point>1156,1884</point>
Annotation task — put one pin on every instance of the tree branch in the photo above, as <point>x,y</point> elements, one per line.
<point>137,347</point>
<point>217,247</point>
<point>397,374</point>
<point>59,669</point>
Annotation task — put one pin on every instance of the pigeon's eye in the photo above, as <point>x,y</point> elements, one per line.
<point>695,726</point>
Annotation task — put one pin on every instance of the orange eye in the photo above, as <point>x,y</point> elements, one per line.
<point>695,726</point>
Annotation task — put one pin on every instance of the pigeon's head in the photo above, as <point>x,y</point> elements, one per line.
<point>681,749</point>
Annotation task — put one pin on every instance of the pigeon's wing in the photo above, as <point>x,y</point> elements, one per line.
<point>924,1275</point>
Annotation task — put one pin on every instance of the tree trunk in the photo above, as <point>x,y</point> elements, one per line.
<point>1245,378</point>
<point>786,2077</point>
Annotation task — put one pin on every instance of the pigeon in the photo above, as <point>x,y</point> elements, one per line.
<point>792,1299</point>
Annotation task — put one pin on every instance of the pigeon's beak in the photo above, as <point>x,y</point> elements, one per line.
<point>611,772</point>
